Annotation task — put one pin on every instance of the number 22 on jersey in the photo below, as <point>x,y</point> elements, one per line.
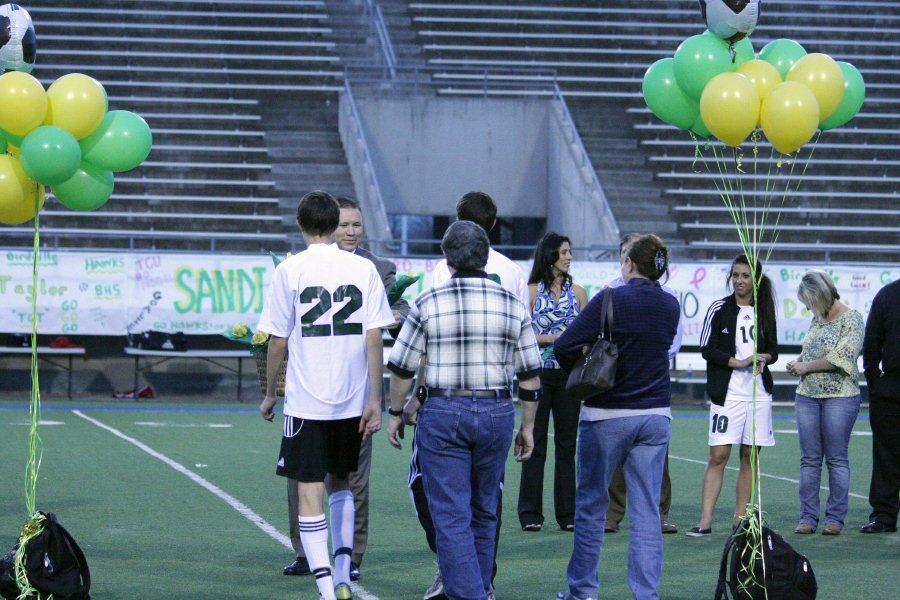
<point>321,301</point>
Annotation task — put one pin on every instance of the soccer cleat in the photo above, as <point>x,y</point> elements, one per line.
<point>436,590</point>
<point>299,567</point>
<point>342,592</point>
<point>354,572</point>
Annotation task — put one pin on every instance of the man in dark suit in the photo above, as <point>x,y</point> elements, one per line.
<point>881,363</point>
<point>348,236</point>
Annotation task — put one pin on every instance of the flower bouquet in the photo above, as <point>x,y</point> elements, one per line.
<point>259,346</point>
<point>403,281</point>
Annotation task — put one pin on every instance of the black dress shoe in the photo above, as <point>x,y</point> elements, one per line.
<point>299,567</point>
<point>877,527</point>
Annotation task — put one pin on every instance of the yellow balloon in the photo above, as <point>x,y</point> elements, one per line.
<point>23,102</point>
<point>763,75</point>
<point>789,116</point>
<point>77,104</point>
<point>729,107</point>
<point>822,75</point>
<point>15,184</point>
<point>25,211</point>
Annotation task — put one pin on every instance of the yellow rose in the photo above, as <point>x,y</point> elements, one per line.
<point>239,330</point>
<point>259,338</point>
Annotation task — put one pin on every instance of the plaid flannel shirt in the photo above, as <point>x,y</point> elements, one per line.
<point>471,330</point>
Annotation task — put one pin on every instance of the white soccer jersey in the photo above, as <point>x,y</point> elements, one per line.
<point>740,386</point>
<point>324,300</point>
<point>510,274</point>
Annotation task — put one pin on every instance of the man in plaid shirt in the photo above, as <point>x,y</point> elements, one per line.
<point>471,330</point>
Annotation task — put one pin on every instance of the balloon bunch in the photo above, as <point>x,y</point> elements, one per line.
<point>716,88</point>
<point>63,137</point>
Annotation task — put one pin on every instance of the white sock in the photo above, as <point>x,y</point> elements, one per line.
<point>314,537</point>
<point>342,516</point>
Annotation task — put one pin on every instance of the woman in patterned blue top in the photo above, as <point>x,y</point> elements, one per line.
<point>555,302</point>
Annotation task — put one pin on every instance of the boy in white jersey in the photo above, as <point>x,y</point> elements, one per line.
<point>325,309</point>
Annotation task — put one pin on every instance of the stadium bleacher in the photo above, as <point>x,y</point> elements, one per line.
<point>199,74</point>
<point>242,103</point>
<point>600,54</point>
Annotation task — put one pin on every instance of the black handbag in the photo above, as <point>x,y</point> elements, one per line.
<point>595,370</point>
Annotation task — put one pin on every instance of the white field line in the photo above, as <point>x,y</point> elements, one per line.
<point>778,477</point>
<point>233,502</point>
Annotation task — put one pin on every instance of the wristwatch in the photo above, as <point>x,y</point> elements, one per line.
<point>395,413</point>
<point>421,393</point>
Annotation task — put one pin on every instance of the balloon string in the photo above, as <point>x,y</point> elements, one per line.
<point>34,440</point>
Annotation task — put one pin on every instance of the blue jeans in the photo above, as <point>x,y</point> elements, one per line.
<point>639,443</point>
<point>463,443</point>
<point>824,425</point>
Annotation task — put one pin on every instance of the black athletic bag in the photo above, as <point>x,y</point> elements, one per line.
<point>54,563</point>
<point>160,340</point>
<point>788,574</point>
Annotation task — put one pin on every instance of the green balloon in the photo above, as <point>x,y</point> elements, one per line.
<point>700,128</point>
<point>743,52</point>
<point>120,143</point>
<point>50,155</point>
<point>88,189</point>
<point>782,54</point>
<point>854,94</point>
<point>15,140</point>
<point>697,60</point>
<point>665,98</point>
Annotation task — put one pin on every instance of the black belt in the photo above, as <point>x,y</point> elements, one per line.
<point>497,394</point>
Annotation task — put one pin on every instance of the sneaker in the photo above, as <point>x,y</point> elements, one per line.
<point>804,529</point>
<point>299,567</point>
<point>354,571</point>
<point>342,592</point>
<point>436,590</point>
<point>567,596</point>
<point>697,531</point>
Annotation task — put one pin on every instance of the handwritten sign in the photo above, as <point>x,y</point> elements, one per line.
<point>92,293</point>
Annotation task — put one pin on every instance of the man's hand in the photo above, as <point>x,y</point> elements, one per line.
<point>411,410</point>
<point>524,444</point>
<point>370,422</point>
<point>395,431</point>
<point>267,407</point>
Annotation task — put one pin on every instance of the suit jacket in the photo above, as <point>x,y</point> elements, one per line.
<point>388,273</point>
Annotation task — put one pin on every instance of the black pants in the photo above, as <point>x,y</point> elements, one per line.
<point>884,490</point>
<point>420,502</point>
<point>565,432</point>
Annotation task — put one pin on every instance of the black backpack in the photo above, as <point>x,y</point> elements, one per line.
<point>788,574</point>
<point>54,563</point>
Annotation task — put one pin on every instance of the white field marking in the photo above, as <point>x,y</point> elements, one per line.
<point>778,477</point>
<point>233,502</point>
<point>27,424</point>
<point>795,432</point>
<point>183,425</point>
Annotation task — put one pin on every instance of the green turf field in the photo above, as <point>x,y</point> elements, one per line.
<point>181,502</point>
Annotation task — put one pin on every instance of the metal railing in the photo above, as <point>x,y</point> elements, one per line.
<point>378,27</point>
<point>362,170</point>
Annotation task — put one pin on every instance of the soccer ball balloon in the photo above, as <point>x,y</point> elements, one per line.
<point>731,20</point>
<point>18,45</point>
